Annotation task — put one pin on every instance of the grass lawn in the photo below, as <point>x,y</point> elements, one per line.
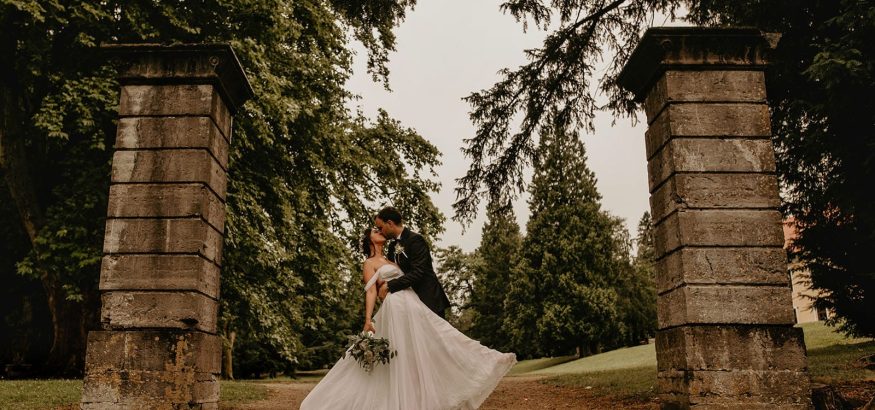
<point>529,366</point>
<point>242,391</point>
<point>39,394</point>
<point>631,372</point>
<point>50,394</point>
<point>832,357</point>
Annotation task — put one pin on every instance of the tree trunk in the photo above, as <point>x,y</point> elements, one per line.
<point>228,354</point>
<point>13,164</point>
<point>67,355</point>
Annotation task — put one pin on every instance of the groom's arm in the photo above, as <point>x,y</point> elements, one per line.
<point>417,253</point>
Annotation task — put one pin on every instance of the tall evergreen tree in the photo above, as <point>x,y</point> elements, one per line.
<point>645,253</point>
<point>563,299</point>
<point>636,285</point>
<point>455,270</point>
<point>498,256</point>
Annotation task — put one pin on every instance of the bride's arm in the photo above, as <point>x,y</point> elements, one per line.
<point>370,297</point>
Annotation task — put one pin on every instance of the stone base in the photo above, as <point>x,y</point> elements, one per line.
<point>152,369</point>
<point>750,367</point>
<point>728,348</point>
<point>736,389</point>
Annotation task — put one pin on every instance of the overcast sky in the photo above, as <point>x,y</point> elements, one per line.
<point>445,50</point>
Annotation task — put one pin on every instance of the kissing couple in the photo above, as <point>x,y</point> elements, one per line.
<point>436,367</point>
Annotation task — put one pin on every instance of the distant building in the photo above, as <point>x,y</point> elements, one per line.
<point>803,304</point>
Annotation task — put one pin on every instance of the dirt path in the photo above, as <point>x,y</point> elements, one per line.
<point>280,396</point>
<point>513,393</point>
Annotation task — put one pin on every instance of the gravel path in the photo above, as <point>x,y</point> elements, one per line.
<point>513,393</point>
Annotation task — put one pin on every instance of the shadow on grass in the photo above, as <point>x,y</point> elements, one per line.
<point>840,364</point>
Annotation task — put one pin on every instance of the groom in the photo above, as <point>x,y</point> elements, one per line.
<point>410,251</point>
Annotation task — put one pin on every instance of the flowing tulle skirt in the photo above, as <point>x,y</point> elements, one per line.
<point>437,367</point>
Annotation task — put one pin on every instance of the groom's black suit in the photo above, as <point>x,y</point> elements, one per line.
<point>415,261</point>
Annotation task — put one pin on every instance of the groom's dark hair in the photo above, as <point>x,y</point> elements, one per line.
<point>390,214</point>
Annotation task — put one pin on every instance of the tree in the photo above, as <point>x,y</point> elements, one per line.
<point>563,299</point>
<point>499,251</point>
<point>455,272</point>
<point>645,255</point>
<point>24,321</point>
<point>820,91</point>
<point>303,170</point>
<point>637,287</point>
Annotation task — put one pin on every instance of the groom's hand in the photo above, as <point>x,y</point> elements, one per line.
<point>384,290</point>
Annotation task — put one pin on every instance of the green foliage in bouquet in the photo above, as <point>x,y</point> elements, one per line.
<point>369,350</point>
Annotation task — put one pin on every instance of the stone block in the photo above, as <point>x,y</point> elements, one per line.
<point>750,121</point>
<point>713,155</point>
<point>747,389</point>
<point>206,387</point>
<point>178,166</point>
<point>151,310</point>
<point>167,201</point>
<point>727,228</point>
<point>151,369</point>
<point>731,348</point>
<point>172,132</point>
<point>160,272</point>
<point>176,100</point>
<point>144,390</point>
<point>722,266</point>
<point>185,236</point>
<point>151,350</point>
<point>725,304</point>
<point>664,49</point>
<point>715,191</point>
<point>705,86</point>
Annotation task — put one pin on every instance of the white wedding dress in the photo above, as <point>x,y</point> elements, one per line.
<point>437,367</point>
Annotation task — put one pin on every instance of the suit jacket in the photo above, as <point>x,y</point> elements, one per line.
<point>416,263</point>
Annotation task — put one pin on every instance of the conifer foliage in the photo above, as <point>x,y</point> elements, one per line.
<point>563,297</point>
<point>497,261</point>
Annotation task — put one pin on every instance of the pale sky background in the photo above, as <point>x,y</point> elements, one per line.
<point>445,50</point>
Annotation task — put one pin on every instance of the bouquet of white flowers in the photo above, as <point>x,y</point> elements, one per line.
<point>369,350</point>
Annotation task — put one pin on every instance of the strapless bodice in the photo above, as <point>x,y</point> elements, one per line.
<point>388,269</point>
<point>386,272</point>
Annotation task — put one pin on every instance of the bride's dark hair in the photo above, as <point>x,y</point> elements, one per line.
<point>365,243</point>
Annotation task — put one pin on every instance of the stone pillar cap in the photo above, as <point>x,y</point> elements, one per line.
<point>694,48</point>
<point>205,63</point>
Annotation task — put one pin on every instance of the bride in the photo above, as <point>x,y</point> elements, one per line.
<point>437,367</point>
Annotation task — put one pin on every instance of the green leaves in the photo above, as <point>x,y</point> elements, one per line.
<point>305,173</point>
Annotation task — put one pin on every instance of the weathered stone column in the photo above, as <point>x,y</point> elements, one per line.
<point>725,317</point>
<point>159,280</point>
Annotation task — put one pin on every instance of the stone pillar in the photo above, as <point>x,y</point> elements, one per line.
<point>725,317</point>
<point>159,280</point>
